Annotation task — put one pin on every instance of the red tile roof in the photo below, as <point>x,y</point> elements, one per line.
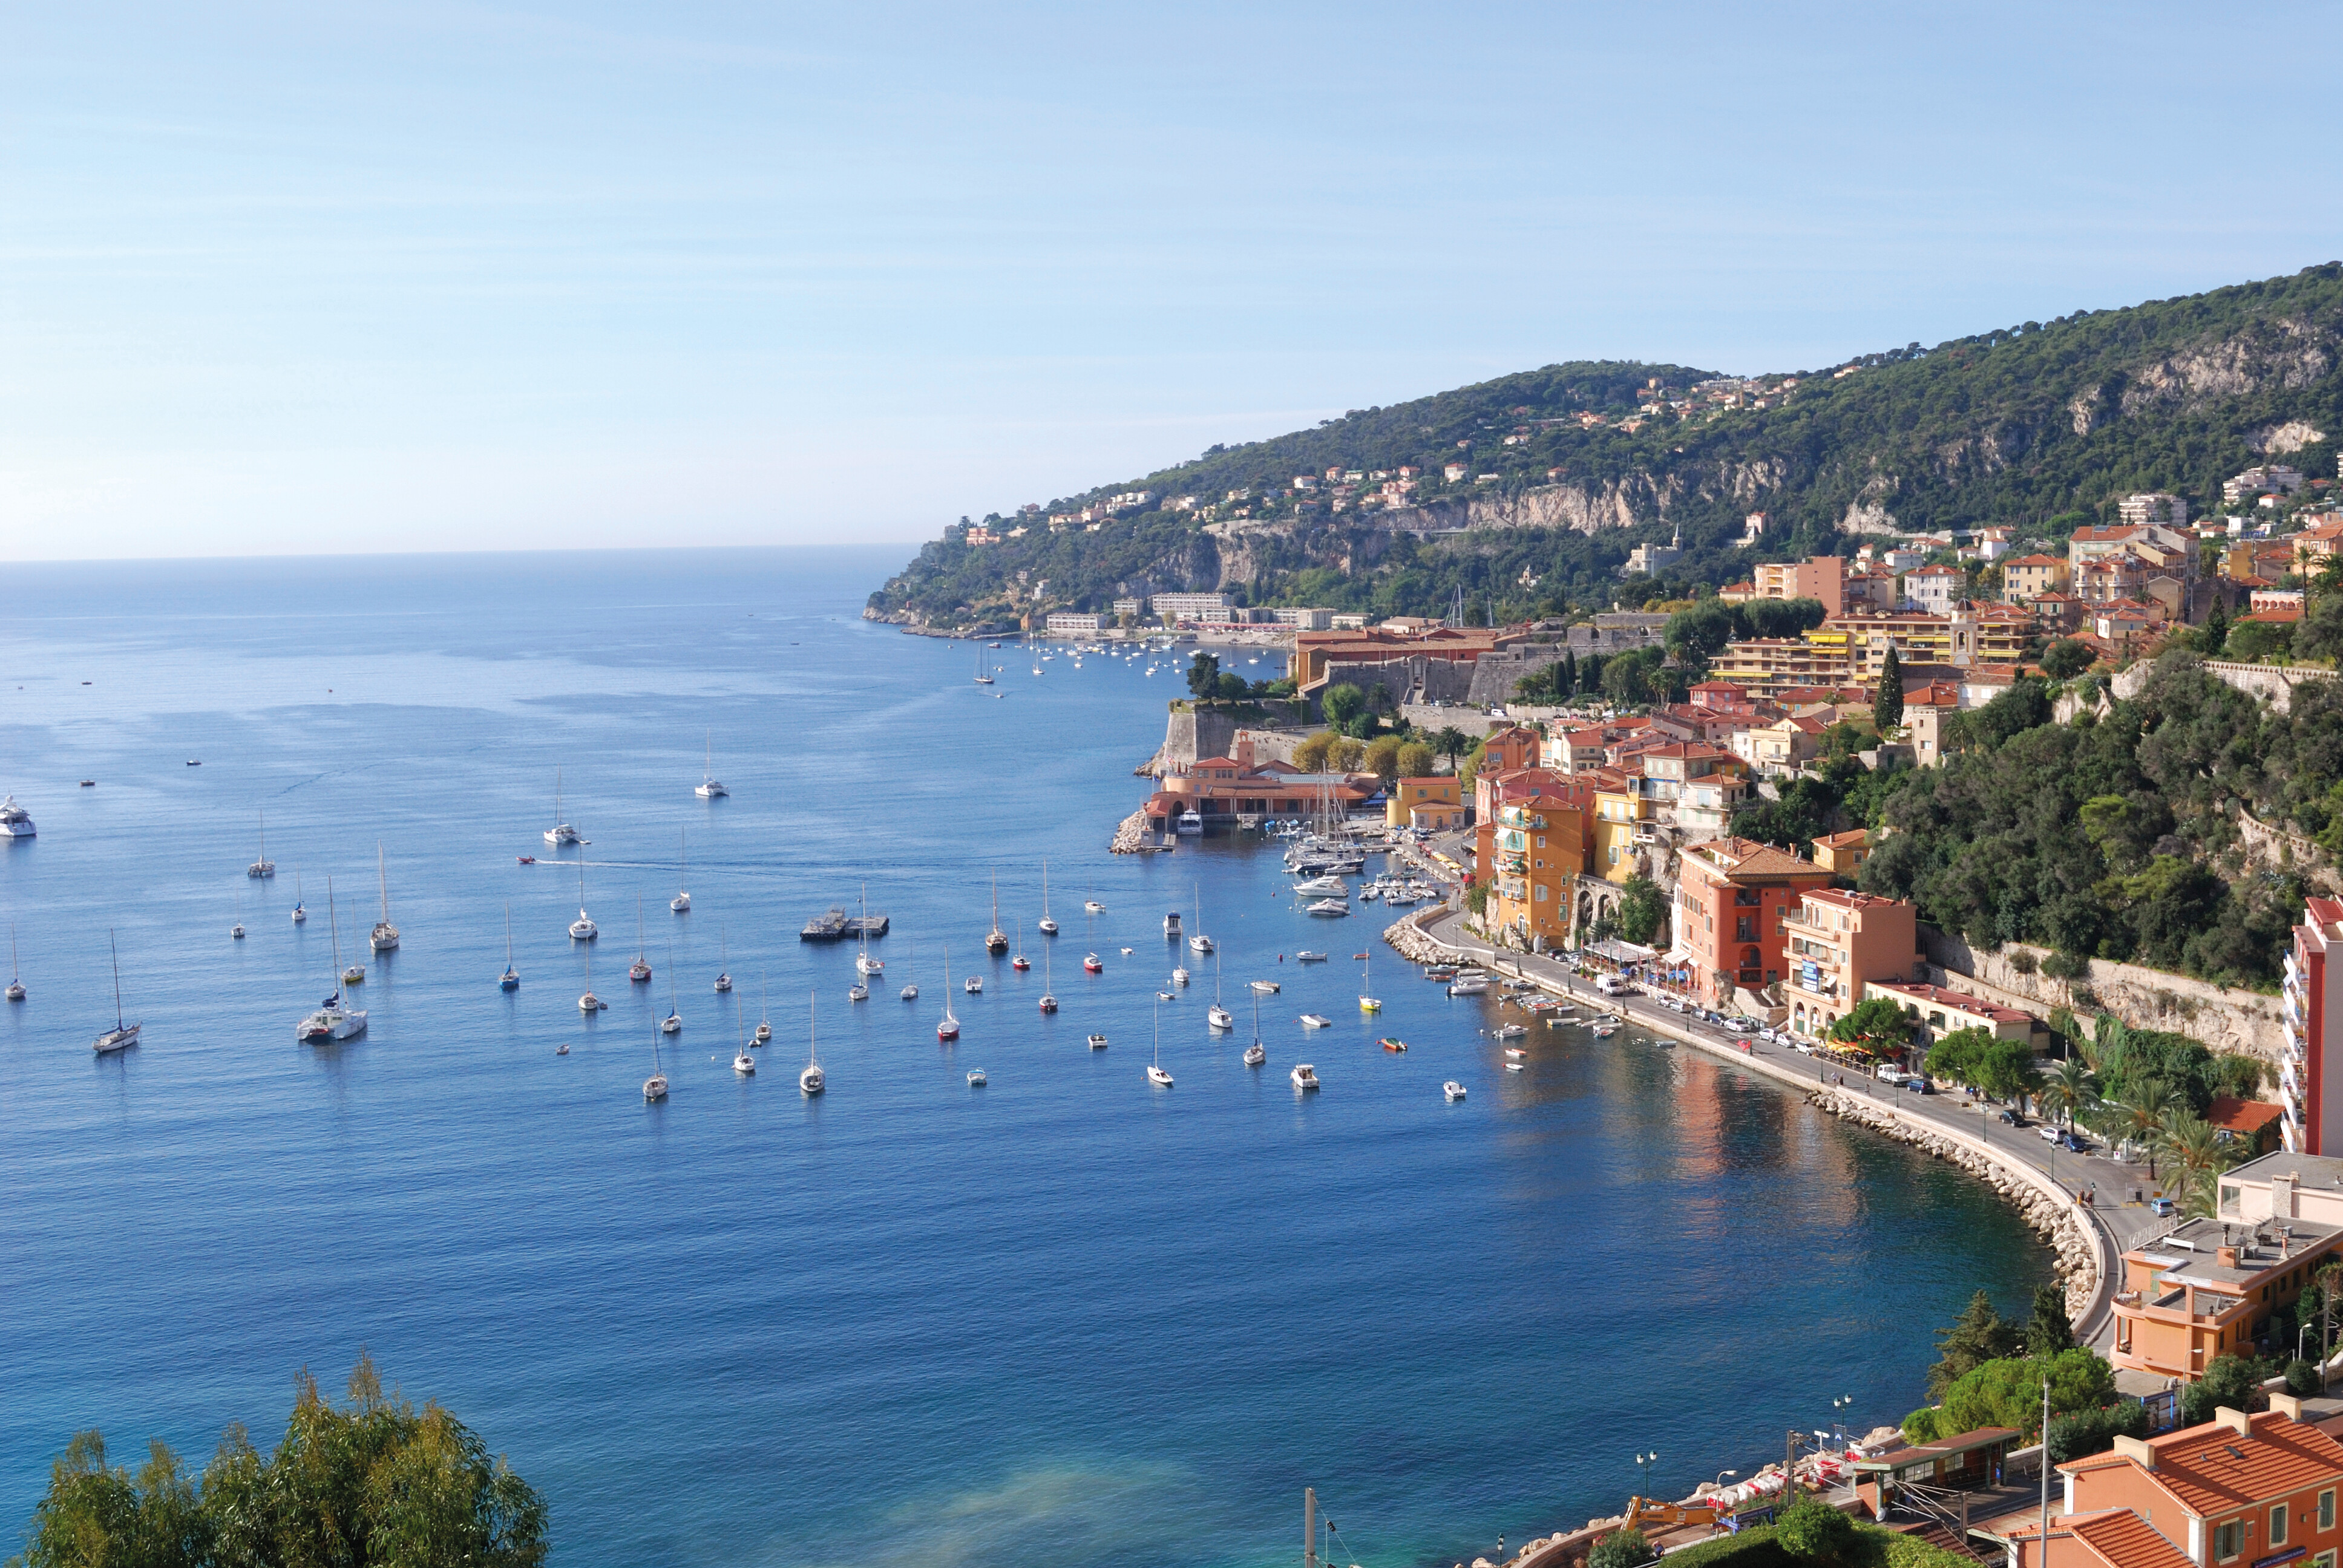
<point>2243,1117</point>
<point>2212,1469</point>
<point>2115,1536</point>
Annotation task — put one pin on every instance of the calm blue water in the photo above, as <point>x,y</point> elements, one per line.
<point>1063,1318</point>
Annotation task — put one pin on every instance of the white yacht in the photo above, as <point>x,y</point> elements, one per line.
<point>1324,888</point>
<point>973,985</point>
<point>639,971</point>
<point>332,1021</point>
<point>588,1002</point>
<point>561,833</point>
<point>263,867</point>
<point>1199,944</point>
<point>1180,976</point>
<point>1453,1089</point>
<point>1098,1042</point>
<point>385,935</point>
<point>723,957</point>
<point>947,1027</point>
<point>710,790</point>
<point>16,822</point>
<point>1329,909</point>
<point>1172,926</point>
<point>1255,1054</point>
<point>1155,1073</point>
<point>1304,1076</point>
<point>810,1081</point>
<point>654,1086</point>
<point>976,1078</point>
<point>121,1033</point>
<point>764,1022</point>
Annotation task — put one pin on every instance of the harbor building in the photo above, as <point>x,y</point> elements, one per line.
<point>1431,805</point>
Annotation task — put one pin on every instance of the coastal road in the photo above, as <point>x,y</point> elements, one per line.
<point>2120,1213</point>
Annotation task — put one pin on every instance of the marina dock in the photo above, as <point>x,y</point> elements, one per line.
<point>835,925</point>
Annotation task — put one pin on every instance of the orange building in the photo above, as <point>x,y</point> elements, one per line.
<point>1844,853</point>
<point>1434,804</point>
<point>1543,842</point>
<point>1733,899</point>
<point>1502,751</point>
<point>2238,1490</point>
<point>1836,943</point>
<point>2208,1288</point>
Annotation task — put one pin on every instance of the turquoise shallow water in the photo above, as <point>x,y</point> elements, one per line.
<point>1063,1318</point>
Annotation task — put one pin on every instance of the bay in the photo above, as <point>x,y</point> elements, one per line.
<point>1061,1318</point>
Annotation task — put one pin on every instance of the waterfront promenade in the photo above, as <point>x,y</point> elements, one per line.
<point>2116,1221</point>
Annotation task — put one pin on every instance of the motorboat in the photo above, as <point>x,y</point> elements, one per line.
<point>1391,1044</point>
<point>1453,1089</point>
<point>1511,1030</point>
<point>1603,1031</point>
<point>1191,824</point>
<point>1091,906</point>
<point>973,985</point>
<point>16,822</point>
<point>1091,964</point>
<point>1468,987</point>
<point>1324,888</point>
<point>1172,926</point>
<point>1267,987</point>
<point>976,1078</point>
<point>1515,1066</point>
<point>1439,971</point>
<point>263,867</point>
<point>710,790</point>
<point>385,936</point>
<point>1304,1076</point>
<point>1329,909</point>
<point>1316,1021</point>
<point>1165,996</point>
<point>561,1050</point>
<point>1516,1053</point>
<point>1098,1042</point>
<point>1307,957</point>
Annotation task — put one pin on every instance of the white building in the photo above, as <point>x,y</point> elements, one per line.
<point>1187,606</point>
<point>1123,606</point>
<point>1068,621</point>
<point>2269,479</point>
<point>2153,506</point>
<point>1935,588</point>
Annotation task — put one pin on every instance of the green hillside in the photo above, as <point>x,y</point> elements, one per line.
<point>2040,424</point>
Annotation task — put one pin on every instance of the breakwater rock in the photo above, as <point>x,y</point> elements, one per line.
<point>2053,1222</point>
<point>1410,941</point>
<point>1131,837</point>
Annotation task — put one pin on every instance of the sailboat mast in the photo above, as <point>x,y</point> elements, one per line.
<point>333,922</point>
<point>116,950</point>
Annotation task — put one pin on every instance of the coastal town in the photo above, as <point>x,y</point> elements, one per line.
<point>1588,851</point>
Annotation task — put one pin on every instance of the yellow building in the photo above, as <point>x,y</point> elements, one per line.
<point>1540,846</point>
<point>1850,649</point>
<point>1438,799</point>
<point>1623,819</point>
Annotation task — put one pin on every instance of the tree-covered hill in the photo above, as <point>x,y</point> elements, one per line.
<point>2042,425</point>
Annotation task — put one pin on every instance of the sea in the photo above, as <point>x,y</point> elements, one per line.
<point>1063,1318</point>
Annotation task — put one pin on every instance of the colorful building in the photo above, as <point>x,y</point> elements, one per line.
<point>1541,841</point>
<point>1734,897</point>
<point>1834,944</point>
<point>2309,1000</point>
<point>1438,802</point>
<point>2202,1291</point>
<point>1843,854</point>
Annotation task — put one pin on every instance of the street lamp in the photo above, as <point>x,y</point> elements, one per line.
<point>1839,1404</point>
<point>1722,1474</point>
<point>1646,1460</point>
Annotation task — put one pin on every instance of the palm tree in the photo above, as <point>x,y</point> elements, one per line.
<point>2197,1148</point>
<point>2142,1116</point>
<point>2072,1090</point>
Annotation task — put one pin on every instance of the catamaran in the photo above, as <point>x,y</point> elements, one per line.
<point>710,790</point>
<point>263,867</point>
<point>332,1021</point>
<point>385,935</point>
<point>561,832</point>
<point>121,1033</point>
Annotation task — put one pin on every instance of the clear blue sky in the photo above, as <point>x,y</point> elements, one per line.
<point>432,276</point>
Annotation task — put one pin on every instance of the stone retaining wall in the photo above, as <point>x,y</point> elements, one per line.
<point>2223,1018</point>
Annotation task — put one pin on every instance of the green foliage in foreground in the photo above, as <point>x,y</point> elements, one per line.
<point>1620,1548</point>
<point>375,1484</point>
<point>1866,1546</point>
<point>2008,1392</point>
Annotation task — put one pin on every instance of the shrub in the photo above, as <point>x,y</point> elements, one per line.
<point>1812,1531</point>
<point>2089,1431</point>
<point>2230,1380</point>
<point>1755,1547</point>
<point>2301,1378</point>
<point>1620,1548</point>
<point>2067,966</point>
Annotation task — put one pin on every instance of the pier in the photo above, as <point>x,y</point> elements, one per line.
<point>835,925</point>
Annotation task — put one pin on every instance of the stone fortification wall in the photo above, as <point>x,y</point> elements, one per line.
<point>1415,678</point>
<point>1433,716</point>
<point>2264,680</point>
<point>2224,1019</point>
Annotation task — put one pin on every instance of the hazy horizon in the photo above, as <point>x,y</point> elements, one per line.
<point>454,278</point>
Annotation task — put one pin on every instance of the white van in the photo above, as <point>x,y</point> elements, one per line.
<point>1612,985</point>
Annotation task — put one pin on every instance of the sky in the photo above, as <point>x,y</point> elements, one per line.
<point>373,276</point>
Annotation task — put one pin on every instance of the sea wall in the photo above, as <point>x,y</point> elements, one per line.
<point>2223,1018</point>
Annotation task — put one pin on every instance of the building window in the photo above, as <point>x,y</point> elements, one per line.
<point>1745,928</point>
<point>2277,1526</point>
<point>2228,1539</point>
<point>2327,1509</point>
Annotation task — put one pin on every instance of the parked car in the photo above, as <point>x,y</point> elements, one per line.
<point>2160,1207</point>
<point>2074,1142</point>
<point>2051,1134</point>
<point>2011,1119</point>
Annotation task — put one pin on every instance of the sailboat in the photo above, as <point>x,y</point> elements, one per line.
<point>681,902</point>
<point>639,971</point>
<point>510,978</point>
<point>996,940</point>
<point>590,1003</point>
<point>864,964</point>
<point>385,935</point>
<point>710,790</point>
<point>1155,1073</point>
<point>983,675</point>
<point>911,987</point>
<point>673,1022</point>
<point>236,930</point>
<point>1048,925</point>
<point>263,867</point>
<point>723,974</point>
<point>561,832</point>
<point>1217,1016</point>
<point>1367,1001</point>
<point>121,1033</point>
<point>810,1081</point>
<point>583,929</point>
<point>764,1024</point>
<point>332,1021</point>
<point>948,1027</point>
<point>1020,964</point>
<point>654,1086</point>
<point>15,979</point>
<point>1199,943</point>
<point>354,974</point>
<point>1049,1001</point>
<point>300,909</point>
<point>1256,1054</point>
<point>742,1063</point>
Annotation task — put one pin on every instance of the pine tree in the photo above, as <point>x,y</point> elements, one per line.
<point>1887,707</point>
<point>2050,1329</point>
<point>1979,1335</point>
<point>1567,683</point>
<point>2217,627</point>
